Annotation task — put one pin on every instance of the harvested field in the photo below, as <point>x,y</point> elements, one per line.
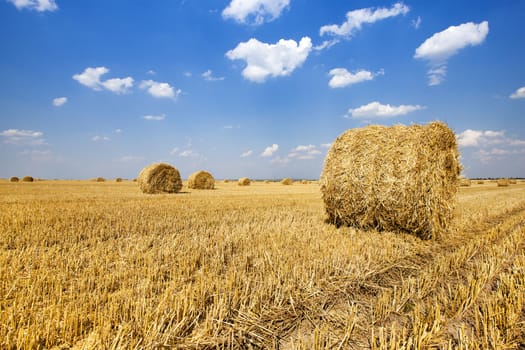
<point>90,266</point>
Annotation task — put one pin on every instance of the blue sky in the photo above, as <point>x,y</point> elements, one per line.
<point>256,88</point>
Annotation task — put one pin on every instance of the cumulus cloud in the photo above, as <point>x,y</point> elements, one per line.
<point>37,5</point>
<point>23,137</point>
<point>416,23</point>
<point>520,93</point>
<point>246,154</point>
<point>90,77</point>
<point>264,60</point>
<point>160,90</point>
<point>342,77</point>
<point>378,110</point>
<point>254,11</point>
<point>208,76</point>
<point>356,18</point>
<point>59,101</point>
<point>442,45</point>
<point>155,117</point>
<point>270,150</point>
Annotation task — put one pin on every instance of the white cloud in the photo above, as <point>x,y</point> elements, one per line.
<point>442,45</point>
<point>90,77</point>
<point>342,78</point>
<point>255,11</point>
<point>246,154</point>
<point>378,110</point>
<point>270,150</point>
<point>416,23</point>
<point>38,5</point>
<point>275,60</point>
<point>491,145</point>
<point>23,137</point>
<point>98,138</point>
<point>118,131</point>
<point>304,152</point>
<point>174,151</point>
<point>356,18</point>
<point>208,76</point>
<point>520,93</point>
<point>326,145</point>
<point>482,138</point>
<point>118,85</point>
<point>160,90</point>
<point>59,101</point>
<point>188,153</point>
<point>155,117</point>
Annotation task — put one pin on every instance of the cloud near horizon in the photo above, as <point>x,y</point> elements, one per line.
<point>377,110</point>
<point>23,137</point>
<point>270,60</point>
<point>254,11</point>
<point>442,45</point>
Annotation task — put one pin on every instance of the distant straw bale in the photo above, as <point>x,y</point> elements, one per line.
<point>226,181</point>
<point>513,181</point>
<point>28,179</point>
<point>159,178</point>
<point>503,182</point>
<point>287,181</point>
<point>14,179</point>
<point>243,181</point>
<point>463,182</point>
<point>480,182</point>
<point>118,179</point>
<point>399,178</point>
<point>266,181</point>
<point>100,179</point>
<point>201,180</point>
<point>304,182</point>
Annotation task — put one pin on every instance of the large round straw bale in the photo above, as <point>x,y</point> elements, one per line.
<point>28,179</point>
<point>201,180</point>
<point>243,181</point>
<point>14,179</point>
<point>399,178</point>
<point>159,178</point>
<point>503,182</point>
<point>287,181</point>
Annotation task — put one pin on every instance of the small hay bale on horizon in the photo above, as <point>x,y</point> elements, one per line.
<point>480,182</point>
<point>503,182</point>
<point>243,181</point>
<point>28,179</point>
<point>159,178</point>
<point>464,182</point>
<point>201,180</point>
<point>513,181</point>
<point>399,178</point>
<point>100,179</point>
<point>287,181</point>
<point>14,179</point>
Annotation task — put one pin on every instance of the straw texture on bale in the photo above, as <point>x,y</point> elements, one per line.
<point>399,178</point>
<point>28,179</point>
<point>503,182</point>
<point>201,180</point>
<point>159,178</point>
<point>287,181</point>
<point>14,179</point>
<point>243,181</point>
